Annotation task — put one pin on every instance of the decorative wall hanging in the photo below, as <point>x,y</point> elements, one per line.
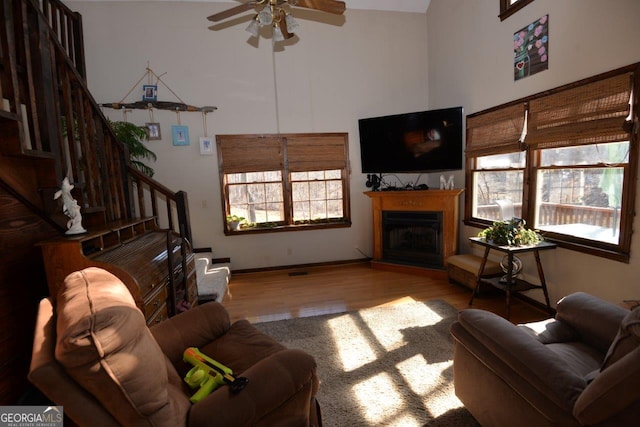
<point>180,135</point>
<point>206,146</point>
<point>149,97</point>
<point>150,93</point>
<point>531,49</point>
<point>153,130</point>
<point>206,143</point>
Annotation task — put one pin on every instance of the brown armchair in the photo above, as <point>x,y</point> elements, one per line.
<point>580,368</point>
<point>94,355</point>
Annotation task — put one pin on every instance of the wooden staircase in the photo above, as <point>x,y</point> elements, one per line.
<point>54,129</point>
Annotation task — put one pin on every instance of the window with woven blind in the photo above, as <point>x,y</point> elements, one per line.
<point>564,160</point>
<point>284,182</point>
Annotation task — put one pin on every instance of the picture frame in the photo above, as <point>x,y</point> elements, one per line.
<point>153,131</point>
<point>150,93</point>
<point>206,146</point>
<point>180,135</point>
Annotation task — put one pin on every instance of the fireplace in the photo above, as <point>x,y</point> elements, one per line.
<point>414,231</point>
<point>413,238</point>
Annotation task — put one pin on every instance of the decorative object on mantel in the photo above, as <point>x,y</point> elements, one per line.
<point>446,183</point>
<point>277,15</point>
<point>70,208</point>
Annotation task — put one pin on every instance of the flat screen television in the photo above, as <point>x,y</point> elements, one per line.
<point>424,141</point>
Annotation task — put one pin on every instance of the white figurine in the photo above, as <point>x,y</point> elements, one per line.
<point>70,208</point>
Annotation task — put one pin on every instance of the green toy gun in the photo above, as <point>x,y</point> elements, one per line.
<point>208,375</point>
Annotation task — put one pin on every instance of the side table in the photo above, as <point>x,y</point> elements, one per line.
<point>512,284</point>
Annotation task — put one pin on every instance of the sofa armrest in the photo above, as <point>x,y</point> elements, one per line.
<point>193,328</point>
<point>613,393</point>
<point>517,357</point>
<point>286,376</point>
<point>597,321</point>
<point>51,379</point>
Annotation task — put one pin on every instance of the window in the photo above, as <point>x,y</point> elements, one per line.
<point>564,160</point>
<point>284,182</point>
<point>509,7</point>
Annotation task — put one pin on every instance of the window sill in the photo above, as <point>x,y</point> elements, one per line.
<point>286,228</point>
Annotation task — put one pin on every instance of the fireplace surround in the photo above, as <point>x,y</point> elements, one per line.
<point>413,215</point>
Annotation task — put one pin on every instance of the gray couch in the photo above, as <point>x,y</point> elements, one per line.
<point>580,368</point>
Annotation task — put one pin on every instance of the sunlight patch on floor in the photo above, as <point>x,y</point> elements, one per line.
<point>389,335</point>
<point>354,350</point>
<point>423,384</point>
<point>380,402</point>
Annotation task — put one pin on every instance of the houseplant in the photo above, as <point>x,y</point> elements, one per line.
<point>134,136</point>
<point>235,222</point>
<point>511,232</point>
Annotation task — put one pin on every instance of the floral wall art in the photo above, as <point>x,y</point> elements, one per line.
<point>531,49</point>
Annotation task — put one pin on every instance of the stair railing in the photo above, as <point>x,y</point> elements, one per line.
<point>54,118</point>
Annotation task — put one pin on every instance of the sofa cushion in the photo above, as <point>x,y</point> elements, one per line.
<point>104,344</point>
<point>627,339</point>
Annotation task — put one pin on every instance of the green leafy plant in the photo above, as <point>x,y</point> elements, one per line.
<point>510,233</point>
<point>134,137</point>
<point>235,221</point>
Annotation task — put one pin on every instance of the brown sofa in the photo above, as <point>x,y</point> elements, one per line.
<point>95,356</point>
<point>580,368</point>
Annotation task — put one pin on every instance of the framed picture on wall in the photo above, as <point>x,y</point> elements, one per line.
<point>206,146</point>
<point>153,131</point>
<point>180,135</point>
<point>150,93</point>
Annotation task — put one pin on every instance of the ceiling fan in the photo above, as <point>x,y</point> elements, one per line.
<point>276,13</point>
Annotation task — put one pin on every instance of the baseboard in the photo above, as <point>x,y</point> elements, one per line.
<point>300,266</point>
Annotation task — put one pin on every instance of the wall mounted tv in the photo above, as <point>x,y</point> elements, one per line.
<point>425,141</point>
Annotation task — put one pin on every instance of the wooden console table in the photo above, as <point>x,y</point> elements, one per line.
<point>512,284</point>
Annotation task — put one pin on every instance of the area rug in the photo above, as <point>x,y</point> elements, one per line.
<point>384,366</point>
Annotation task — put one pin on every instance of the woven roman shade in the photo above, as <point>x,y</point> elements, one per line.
<point>238,153</point>
<point>497,131</point>
<point>317,152</point>
<point>588,114</point>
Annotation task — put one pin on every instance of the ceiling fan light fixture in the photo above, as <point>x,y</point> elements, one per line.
<point>277,34</point>
<point>265,16</point>
<point>292,24</point>
<point>254,27</point>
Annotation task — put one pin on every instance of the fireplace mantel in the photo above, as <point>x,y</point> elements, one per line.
<point>445,201</point>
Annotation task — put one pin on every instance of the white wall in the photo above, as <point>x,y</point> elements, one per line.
<point>470,63</point>
<point>374,64</point>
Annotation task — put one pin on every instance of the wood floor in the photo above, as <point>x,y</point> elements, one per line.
<point>290,293</point>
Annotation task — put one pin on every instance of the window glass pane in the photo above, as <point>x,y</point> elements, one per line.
<point>256,196</point>
<point>299,176</point>
<point>333,174</point>
<point>497,195</point>
<point>581,202</point>
<point>317,195</point>
<point>502,161</point>
<point>614,153</point>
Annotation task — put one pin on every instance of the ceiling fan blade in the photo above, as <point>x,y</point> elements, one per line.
<point>330,6</point>
<point>230,12</point>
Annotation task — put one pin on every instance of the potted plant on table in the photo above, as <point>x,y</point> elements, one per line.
<point>510,233</point>
<point>235,222</point>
